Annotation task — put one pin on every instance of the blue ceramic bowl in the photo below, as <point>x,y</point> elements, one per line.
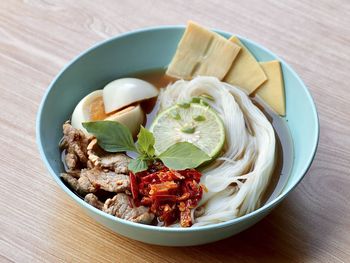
<point>149,49</point>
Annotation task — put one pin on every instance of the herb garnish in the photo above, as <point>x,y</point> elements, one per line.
<point>115,137</point>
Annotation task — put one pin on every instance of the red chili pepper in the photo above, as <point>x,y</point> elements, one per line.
<point>133,185</point>
<point>162,188</point>
<point>185,218</point>
<point>191,173</point>
<point>164,198</point>
<point>151,178</point>
<point>146,201</point>
<point>176,175</point>
<point>169,214</point>
<point>170,194</point>
<point>183,197</point>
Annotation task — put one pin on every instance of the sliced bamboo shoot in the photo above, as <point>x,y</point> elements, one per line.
<point>202,53</point>
<point>272,91</point>
<point>245,72</point>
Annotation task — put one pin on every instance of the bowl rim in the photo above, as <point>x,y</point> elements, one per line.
<point>265,207</point>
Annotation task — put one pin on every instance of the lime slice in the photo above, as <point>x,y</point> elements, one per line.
<point>189,122</point>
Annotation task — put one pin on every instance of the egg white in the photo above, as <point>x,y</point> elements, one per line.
<point>81,112</point>
<point>123,92</point>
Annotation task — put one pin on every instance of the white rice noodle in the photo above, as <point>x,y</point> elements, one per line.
<point>236,181</point>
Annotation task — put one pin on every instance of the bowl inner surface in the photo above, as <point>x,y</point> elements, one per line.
<point>149,49</point>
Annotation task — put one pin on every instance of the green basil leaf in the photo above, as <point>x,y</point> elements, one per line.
<point>183,155</point>
<point>146,142</point>
<point>137,165</point>
<point>111,136</point>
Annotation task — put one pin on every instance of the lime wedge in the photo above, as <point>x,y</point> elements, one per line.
<point>189,122</point>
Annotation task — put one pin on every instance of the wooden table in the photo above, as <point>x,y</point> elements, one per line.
<point>39,223</point>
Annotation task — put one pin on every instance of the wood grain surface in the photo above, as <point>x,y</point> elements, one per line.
<point>39,223</point>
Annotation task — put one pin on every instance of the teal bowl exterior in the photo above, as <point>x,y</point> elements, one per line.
<point>149,49</point>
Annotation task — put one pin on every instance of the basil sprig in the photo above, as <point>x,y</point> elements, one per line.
<point>115,137</point>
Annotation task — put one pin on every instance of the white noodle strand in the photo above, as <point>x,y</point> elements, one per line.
<point>237,180</point>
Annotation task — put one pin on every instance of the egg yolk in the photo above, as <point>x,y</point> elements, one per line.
<point>97,110</point>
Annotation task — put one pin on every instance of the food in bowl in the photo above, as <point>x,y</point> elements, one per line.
<point>206,150</point>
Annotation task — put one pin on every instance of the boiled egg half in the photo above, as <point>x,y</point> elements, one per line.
<point>118,101</point>
<point>122,92</point>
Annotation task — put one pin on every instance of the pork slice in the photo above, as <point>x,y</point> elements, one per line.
<point>71,180</point>
<point>71,161</point>
<point>121,206</point>
<point>93,200</point>
<point>92,180</point>
<point>75,142</point>
<point>117,162</point>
